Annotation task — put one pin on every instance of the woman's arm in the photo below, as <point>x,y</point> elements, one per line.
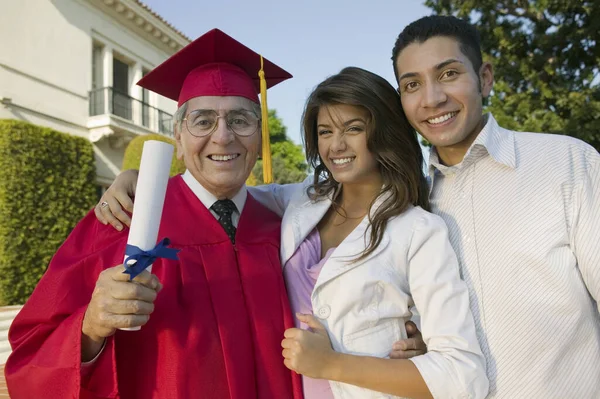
<point>309,353</point>
<point>398,377</point>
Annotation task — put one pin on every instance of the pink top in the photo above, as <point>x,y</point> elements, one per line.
<point>301,272</point>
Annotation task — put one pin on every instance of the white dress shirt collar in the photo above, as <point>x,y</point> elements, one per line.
<point>208,199</point>
<point>492,140</point>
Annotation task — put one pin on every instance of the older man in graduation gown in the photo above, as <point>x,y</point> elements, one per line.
<point>212,320</point>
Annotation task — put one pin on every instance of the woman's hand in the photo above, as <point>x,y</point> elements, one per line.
<point>308,352</point>
<point>117,199</point>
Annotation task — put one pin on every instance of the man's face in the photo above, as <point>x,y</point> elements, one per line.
<point>220,161</point>
<point>442,94</point>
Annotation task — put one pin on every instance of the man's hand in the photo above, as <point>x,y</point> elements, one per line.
<point>117,303</point>
<point>308,352</point>
<point>410,347</point>
<point>117,199</point>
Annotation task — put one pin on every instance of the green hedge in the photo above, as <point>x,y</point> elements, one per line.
<point>47,184</point>
<point>133,153</point>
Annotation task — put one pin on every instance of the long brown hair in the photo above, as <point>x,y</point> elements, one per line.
<point>390,138</point>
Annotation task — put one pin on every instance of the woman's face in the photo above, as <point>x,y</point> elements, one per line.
<point>342,141</point>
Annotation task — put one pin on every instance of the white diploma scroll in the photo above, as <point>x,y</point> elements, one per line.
<point>149,197</point>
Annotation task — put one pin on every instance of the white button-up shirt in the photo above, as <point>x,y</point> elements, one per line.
<point>208,199</point>
<point>523,212</point>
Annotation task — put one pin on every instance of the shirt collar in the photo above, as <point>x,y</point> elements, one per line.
<point>493,140</point>
<point>208,199</point>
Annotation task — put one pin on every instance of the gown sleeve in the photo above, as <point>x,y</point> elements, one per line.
<point>46,334</point>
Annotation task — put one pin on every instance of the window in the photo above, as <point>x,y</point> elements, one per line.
<point>121,100</point>
<point>97,94</point>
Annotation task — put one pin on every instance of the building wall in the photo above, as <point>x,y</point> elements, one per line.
<point>46,66</point>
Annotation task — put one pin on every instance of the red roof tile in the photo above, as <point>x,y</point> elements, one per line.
<point>145,7</point>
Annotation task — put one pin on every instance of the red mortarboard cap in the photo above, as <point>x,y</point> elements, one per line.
<point>215,64</point>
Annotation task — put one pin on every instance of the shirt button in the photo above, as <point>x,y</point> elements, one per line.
<point>324,312</point>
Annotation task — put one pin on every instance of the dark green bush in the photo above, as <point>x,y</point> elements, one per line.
<point>47,184</point>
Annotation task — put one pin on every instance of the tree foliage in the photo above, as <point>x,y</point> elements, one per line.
<point>546,56</point>
<point>47,183</point>
<point>288,160</point>
<point>133,153</point>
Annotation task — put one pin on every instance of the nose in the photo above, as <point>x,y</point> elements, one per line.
<point>222,135</point>
<point>338,143</point>
<point>434,95</point>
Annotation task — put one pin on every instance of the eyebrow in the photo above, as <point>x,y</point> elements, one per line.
<point>439,66</point>
<point>349,122</point>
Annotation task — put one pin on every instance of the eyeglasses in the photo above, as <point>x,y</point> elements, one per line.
<point>203,122</point>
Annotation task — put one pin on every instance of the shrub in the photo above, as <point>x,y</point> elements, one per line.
<point>133,153</point>
<point>47,184</point>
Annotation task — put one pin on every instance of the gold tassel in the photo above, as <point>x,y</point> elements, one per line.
<point>266,139</point>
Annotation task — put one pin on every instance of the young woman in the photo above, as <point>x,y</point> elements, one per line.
<point>361,253</point>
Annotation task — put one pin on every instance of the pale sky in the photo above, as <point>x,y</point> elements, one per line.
<point>310,39</point>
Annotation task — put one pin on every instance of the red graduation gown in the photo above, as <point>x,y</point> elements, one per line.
<point>215,331</point>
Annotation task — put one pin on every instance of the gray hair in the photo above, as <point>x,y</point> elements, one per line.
<point>180,113</point>
<point>256,109</point>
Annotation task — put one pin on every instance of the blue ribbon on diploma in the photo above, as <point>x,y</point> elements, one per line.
<point>146,258</point>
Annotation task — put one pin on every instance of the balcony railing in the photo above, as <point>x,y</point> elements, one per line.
<point>107,100</point>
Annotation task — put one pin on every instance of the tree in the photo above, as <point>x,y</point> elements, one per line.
<point>133,153</point>
<point>288,160</point>
<point>546,56</point>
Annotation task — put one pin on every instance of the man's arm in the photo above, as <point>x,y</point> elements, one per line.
<point>276,197</point>
<point>454,365</point>
<point>412,346</point>
<point>585,233</point>
<point>46,336</point>
<point>117,199</point>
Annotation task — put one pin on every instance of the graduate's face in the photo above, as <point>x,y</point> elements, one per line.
<point>442,94</point>
<point>342,140</point>
<point>221,161</point>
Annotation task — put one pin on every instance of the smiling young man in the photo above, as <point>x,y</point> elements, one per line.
<point>214,323</point>
<point>523,210</point>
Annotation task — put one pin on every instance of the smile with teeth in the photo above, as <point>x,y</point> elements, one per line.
<point>342,161</point>
<point>443,118</point>
<point>223,158</point>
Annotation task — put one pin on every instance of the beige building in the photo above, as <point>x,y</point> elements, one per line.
<point>72,65</point>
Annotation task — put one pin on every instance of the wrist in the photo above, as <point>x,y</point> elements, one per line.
<point>88,334</point>
<point>92,338</point>
<point>333,366</point>
<point>90,347</point>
